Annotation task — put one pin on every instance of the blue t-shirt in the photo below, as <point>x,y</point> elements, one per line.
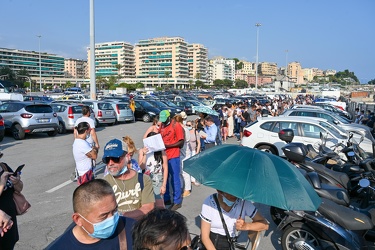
<point>68,241</point>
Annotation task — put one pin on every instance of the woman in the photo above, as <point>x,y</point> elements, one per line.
<point>230,121</point>
<point>199,126</point>
<point>154,127</point>
<point>155,164</point>
<point>195,143</point>
<point>224,124</point>
<point>9,183</point>
<point>132,164</point>
<point>234,211</point>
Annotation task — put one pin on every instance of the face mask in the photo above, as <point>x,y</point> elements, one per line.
<point>87,135</point>
<point>122,171</point>
<point>228,202</point>
<point>184,122</point>
<point>103,229</point>
<point>189,128</point>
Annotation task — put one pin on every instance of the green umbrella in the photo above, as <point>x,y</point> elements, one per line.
<point>253,175</point>
<point>206,110</point>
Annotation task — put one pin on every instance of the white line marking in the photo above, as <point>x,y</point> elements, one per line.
<point>59,186</point>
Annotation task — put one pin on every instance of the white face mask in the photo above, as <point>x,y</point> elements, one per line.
<point>184,122</point>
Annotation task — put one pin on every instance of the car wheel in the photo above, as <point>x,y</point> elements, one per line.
<point>277,214</point>
<point>266,148</point>
<point>52,133</point>
<point>146,118</point>
<point>17,132</point>
<point>298,237</point>
<point>61,129</point>
<point>97,124</point>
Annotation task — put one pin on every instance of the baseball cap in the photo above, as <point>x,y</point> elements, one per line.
<point>163,116</point>
<point>183,115</point>
<point>113,148</point>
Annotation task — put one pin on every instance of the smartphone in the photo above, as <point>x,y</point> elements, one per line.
<point>18,169</point>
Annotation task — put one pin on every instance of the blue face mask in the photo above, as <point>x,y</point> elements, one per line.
<point>103,229</point>
<point>122,171</point>
<point>228,202</point>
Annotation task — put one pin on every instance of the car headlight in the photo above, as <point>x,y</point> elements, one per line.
<point>178,110</point>
<point>151,113</point>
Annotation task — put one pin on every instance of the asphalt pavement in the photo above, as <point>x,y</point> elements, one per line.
<point>49,164</point>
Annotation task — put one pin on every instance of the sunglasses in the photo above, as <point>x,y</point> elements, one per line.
<point>114,159</point>
<point>188,125</point>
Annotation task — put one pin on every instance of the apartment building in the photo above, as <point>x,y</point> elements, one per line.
<point>221,68</point>
<point>163,57</point>
<point>75,68</point>
<point>49,65</point>
<point>198,61</point>
<point>295,73</point>
<point>267,69</point>
<point>113,59</point>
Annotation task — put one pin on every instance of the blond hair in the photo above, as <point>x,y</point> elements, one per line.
<point>130,143</point>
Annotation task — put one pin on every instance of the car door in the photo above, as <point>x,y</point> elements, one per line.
<point>274,135</point>
<point>311,134</point>
<point>139,111</point>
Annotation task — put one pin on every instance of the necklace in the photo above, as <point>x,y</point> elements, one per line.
<point>122,190</point>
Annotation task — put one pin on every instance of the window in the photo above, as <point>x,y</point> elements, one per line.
<point>325,116</point>
<point>312,131</point>
<point>286,125</point>
<point>266,126</point>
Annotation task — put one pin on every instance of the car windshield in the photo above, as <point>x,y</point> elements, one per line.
<point>341,119</point>
<point>337,132</point>
<point>160,104</point>
<point>146,105</point>
<point>171,104</point>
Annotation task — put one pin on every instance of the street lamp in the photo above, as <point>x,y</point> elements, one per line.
<point>40,67</point>
<point>256,67</point>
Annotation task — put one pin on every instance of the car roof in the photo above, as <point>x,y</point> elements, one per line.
<point>310,110</point>
<point>292,118</point>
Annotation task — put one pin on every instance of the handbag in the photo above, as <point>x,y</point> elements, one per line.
<point>22,205</point>
<point>197,244</point>
<point>229,239</point>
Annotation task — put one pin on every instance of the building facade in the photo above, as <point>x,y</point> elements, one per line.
<point>113,59</point>
<point>197,61</point>
<point>221,68</point>
<point>75,68</point>
<point>295,73</point>
<point>48,65</point>
<point>267,69</point>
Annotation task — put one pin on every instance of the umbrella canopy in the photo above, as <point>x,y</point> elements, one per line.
<point>253,175</point>
<point>206,110</point>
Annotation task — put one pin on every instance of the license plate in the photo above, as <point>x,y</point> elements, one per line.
<point>43,120</point>
<point>108,112</point>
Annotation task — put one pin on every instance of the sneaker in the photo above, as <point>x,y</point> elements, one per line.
<point>186,193</point>
<point>175,207</point>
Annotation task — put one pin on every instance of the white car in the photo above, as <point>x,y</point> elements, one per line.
<point>263,133</point>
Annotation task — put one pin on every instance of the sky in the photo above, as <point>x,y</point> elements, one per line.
<point>324,34</point>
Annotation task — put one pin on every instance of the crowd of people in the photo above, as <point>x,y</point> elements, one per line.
<point>131,205</point>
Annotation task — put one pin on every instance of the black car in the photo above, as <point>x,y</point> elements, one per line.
<point>186,105</point>
<point>145,111</point>
<point>162,106</point>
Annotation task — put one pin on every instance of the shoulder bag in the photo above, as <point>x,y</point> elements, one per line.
<point>22,205</point>
<point>229,239</point>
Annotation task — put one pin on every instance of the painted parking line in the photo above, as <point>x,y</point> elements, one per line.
<point>59,186</point>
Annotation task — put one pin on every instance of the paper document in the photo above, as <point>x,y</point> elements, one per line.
<point>154,143</point>
<point>202,133</point>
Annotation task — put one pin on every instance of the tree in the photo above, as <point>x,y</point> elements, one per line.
<point>190,83</point>
<point>228,83</point>
<point>218,83</point>
<point>139,85</point>
<point>199,84</point>
<point>240,84</point>
<point>68,84</point>
<point>372,82</point>
<point>100,80</point>
<point>11,76</point>
<point>238,64</point>
<point>112,80</point>
<point>198,76</point>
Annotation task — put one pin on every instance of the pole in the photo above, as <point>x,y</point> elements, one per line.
<point>40,68</point>
<point>256,67</point>
<point>92,53</point>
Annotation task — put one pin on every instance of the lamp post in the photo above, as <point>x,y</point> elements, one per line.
<point>92,52</point>
<point>40,67</point>
<point>256,67</point>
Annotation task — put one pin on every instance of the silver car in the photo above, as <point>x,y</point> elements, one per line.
<point>68,113</point>
<point>104,112</point>
<point>122,110</point>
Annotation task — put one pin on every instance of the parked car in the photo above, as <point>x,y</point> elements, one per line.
<point>35,98</point>
<point>122,110</point>
<point>263,133</point>
<point>186,105</point>
<point>69,113</point>
<point>22,118</point>
<point>162,106</point>
<point>172,104</point>
<point>104,112</point>
<point>145,111</point>
<point>2,128</point>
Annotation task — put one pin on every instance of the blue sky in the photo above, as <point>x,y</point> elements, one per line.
<point>327,34</point>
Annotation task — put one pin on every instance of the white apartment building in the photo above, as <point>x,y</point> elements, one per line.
<point>113,59</point>
<point>163,57</point>
<point>198,61</point>
<point>75,68</point>
<point>221,68</point>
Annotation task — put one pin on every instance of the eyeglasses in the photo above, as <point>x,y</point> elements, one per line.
<point>114,159</point>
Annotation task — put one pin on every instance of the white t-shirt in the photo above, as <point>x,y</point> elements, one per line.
<point>152,166</point>
<point>91,122</point>
<point>211,215</point>
<point>80,149</point>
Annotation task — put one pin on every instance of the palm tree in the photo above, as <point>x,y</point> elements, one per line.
<point>119,67</point>
<point>167,74</point>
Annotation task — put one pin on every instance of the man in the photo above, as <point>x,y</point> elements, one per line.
<point>133,191</point>
<point>173,138</point>
<point>211,132</point>
<point>84,154</point>
<point>92,139</point>
<point>161,229</point>
<point>252,113</point>
<point>97,224</point>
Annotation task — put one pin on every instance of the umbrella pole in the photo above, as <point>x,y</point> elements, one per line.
<point>243,203</point>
